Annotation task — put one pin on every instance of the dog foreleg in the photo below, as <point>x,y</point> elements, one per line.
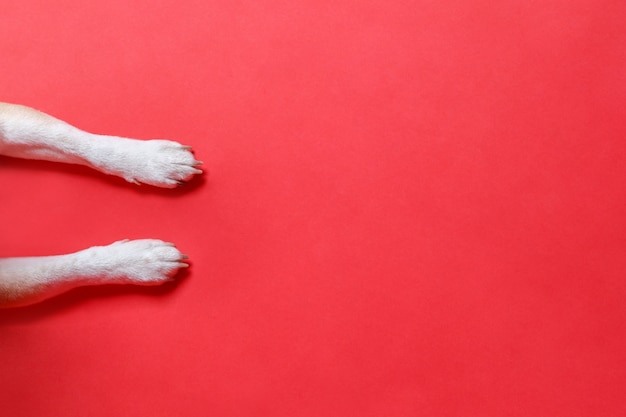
<point>28,133</point>
<point>26,281</point>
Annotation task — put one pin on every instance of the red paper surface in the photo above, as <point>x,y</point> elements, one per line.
<point>415,208</point>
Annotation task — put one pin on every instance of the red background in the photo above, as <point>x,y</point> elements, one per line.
<point>415,208</point>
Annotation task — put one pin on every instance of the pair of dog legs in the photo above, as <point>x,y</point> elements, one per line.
<point>27,133</point>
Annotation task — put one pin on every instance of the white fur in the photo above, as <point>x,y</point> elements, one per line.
<point>27,133</point>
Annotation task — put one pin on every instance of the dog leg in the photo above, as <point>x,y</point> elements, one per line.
<point>26,281</point>
<point>28,133</point>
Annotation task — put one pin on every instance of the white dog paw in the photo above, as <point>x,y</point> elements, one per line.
<point>162,163</point>
<point>143,262</point>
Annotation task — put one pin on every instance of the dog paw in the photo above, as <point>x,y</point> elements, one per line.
<point>142,262</point>
<point>162,163</point>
